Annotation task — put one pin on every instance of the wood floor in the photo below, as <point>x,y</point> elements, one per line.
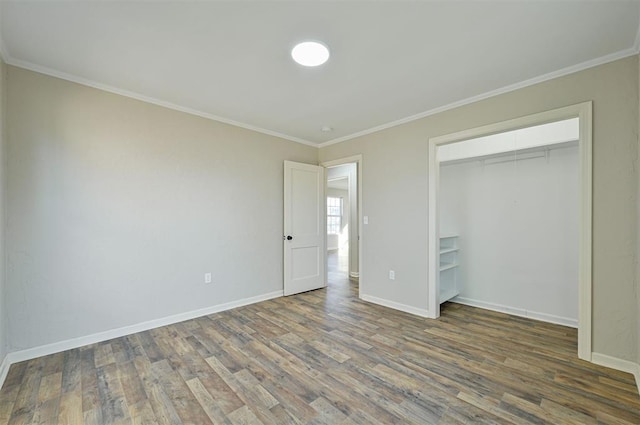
<point>325,357</point>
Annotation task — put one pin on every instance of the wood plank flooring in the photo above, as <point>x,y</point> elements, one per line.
<point>325,357</point>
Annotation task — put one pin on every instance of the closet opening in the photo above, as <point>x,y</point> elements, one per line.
<point>510,219</point>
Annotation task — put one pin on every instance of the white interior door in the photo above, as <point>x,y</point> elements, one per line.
<point>304,227</point>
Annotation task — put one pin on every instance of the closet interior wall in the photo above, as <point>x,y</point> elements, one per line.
<point>516,215</point>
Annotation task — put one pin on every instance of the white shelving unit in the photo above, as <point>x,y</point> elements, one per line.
<point>449,265</point>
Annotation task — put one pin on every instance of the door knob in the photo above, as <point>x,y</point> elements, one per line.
<point>289,237</point>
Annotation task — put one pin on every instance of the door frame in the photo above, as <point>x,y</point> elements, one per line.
<point>583,111</point>
<point>357,159</point>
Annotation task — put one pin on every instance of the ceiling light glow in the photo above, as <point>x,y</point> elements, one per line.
<point>310,53</point>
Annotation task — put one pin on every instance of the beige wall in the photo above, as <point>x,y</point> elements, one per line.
<point>117,208</point>
<point>3,306</point>
<point>395,193</point>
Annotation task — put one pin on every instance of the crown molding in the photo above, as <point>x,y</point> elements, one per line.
<point>636,43</point>
<point>634,50</point>
<point>542,78</point>
<point>133,95</point>
<point>4,53</point>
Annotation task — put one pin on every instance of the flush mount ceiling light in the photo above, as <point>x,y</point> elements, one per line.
<point>310,53</point>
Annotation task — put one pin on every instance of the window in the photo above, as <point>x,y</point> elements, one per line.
<point>334,215</point>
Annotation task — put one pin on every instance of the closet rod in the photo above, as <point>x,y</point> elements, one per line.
<point>522,152</point>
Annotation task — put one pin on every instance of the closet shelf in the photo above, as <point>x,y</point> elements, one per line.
<point>446,295</point>
<point>447,266</point>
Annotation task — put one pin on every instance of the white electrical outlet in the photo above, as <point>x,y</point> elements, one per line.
<point>207,278</point>
<point>392,275</point>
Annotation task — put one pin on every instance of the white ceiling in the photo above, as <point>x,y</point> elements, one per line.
<point>390,61</point>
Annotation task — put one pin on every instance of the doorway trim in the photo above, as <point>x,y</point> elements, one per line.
<point>583,111</point>
<point>357,159</point>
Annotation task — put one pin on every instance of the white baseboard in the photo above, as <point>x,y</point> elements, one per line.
<point>394,305</point>
<point>45,350</point>
<point>618,364</point>
<point>4,369</point>
<point>566,321</point>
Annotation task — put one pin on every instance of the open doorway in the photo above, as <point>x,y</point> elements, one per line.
<point>441,244</point>
<point>338,225</point>
<point>343,197</point>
